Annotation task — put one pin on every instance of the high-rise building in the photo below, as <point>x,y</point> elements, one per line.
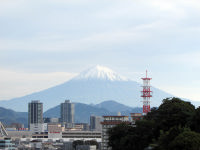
<point>35,112</point>
<point>95,123</point>
<point>67,112</point>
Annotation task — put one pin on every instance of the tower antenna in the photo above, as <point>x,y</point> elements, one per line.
<point>146,94</point>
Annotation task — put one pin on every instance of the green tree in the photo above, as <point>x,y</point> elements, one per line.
<point>126,137</point>
<point>77,142</point>
<point>167,137</point>
<point>118,136</point>
<point>187,140</point>
<point>195,126</point>
<point>172,112</point>
<point>160,128</point>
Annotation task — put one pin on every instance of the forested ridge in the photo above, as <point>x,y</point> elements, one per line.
<point>174,125</point>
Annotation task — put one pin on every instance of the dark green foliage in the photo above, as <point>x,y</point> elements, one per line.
<point>126,137</point>
<point>161,129</point>
<point>196,121</point>
<point>77,142</point>
<point>187,140</point>
<point>167,137</point>
<point>172,112</point>
<point>118,136</point>
<point>81,142</point>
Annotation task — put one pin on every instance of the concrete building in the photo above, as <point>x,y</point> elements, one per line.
<point>67,113</point>
<point>35,112</point>
<point>136,116</point>
<point>86,147</point>
<point>38,127</point>
<point>109,122</point>
<point>95,123</point>
<point>55,130</point>
<point>19,134</point>
<point>51,120</point>
<point>7,144</point>
<point>85,126</point>
<point>82,135</point>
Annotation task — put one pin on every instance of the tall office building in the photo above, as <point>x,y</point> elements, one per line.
<point>35,112</point>
<point>67,112</point>
<point>95,123</point>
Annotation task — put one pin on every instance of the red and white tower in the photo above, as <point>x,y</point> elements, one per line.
<point>146,94</point>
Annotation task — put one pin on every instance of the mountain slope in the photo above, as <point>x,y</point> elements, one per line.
<point>95,85</point>
<point>84,111</point>
<point>113,106</point>
<point>8,116</point>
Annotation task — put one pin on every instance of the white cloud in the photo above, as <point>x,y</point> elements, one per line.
<point>14,84</point>
<point>161,33</point>
<point>187,59</point>
<point>191,93</point>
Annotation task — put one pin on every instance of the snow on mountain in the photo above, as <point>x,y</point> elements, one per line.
<point>100,73</point>
<point>95,85</point>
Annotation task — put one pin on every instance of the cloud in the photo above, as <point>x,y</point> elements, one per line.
<point>14,84</point>
<point>74,26</point>
<point>60,35</point>
<point>183,92</point>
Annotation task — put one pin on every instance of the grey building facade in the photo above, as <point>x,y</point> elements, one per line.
<point>95,123</point>
<point>35,112</point>
<point>67,112</point>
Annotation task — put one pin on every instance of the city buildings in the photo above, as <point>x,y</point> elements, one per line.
<point>7,144</point>
<point>47,134</point>
<point>136,116</point>
<point>38,127</point>
<point>95,123</point>
<point>67,113</point>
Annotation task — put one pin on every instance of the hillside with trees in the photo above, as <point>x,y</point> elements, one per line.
<point>174,125</point>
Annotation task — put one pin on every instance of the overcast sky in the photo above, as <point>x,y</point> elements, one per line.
<point>45,43</point>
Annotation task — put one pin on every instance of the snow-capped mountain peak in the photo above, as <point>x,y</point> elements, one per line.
<point>101,73</point>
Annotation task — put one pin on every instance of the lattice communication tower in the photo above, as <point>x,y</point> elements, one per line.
<point>146,94</point>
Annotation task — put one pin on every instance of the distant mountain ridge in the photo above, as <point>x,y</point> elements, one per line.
<point>113,106</point>
<point>84,111</point>
<point>95,85</point>
<point>8,116</point>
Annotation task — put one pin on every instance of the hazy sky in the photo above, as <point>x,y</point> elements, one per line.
<point>44,43</point>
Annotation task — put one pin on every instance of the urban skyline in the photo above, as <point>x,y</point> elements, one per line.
<point>75,74</point>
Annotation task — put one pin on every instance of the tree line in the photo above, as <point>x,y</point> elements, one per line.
<point>174,125</point>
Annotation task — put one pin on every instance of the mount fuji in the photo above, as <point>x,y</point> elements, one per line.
<point>94,85</point>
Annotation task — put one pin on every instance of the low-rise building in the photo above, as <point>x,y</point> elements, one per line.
<point>6,143</point>
<point>86,147</point>
<point>86,135</point>
<point>136,116</point>
<point>109,122</point>
<point>38,127</point>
